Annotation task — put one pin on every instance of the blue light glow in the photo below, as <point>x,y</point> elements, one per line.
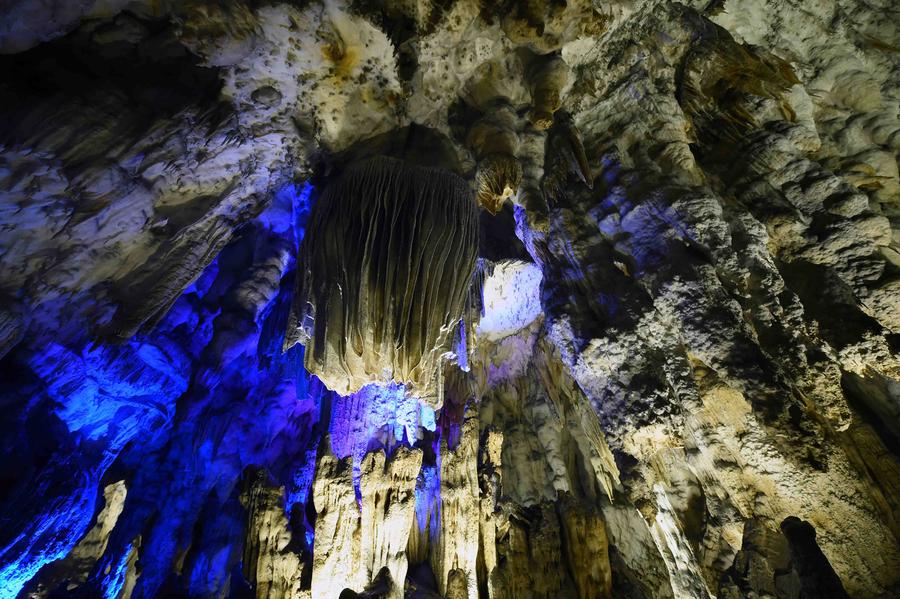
<point>428,497</point>
<point>49,537</point>
<point>462,349</point>
<point>240,402</point>
<point>184,412</point>
<point>112,585</point>
<point>377,416</point>
<point>298,491</point>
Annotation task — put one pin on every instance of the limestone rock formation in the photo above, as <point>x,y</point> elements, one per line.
<point>354,543</point>
<point>449,299</point>
<point>270,563</point>
<point>388,259</point>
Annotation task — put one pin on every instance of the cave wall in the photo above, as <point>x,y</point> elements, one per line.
<point>671,370</point>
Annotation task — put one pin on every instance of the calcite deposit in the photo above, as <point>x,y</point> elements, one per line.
<point>450,299</point>
<point>389,259</point>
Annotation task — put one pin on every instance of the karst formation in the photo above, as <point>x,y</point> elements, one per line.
<point>502,299</point>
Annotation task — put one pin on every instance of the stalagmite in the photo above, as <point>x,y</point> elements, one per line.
<point>358,541</point>
<point>337,562</point>
<point>454,555</point>
<point>388,506</point>
<point>270,562</point>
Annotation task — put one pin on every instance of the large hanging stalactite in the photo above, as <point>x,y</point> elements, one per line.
<point>388,261</point>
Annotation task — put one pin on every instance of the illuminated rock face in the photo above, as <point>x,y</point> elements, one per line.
<point>511,299</point>
<point>593,299</point>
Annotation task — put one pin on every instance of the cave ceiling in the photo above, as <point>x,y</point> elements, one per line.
<point>449,299</point>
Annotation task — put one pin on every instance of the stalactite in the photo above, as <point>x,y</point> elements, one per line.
<point>547,76</point>
<point>388,260</point>
<point>494,141</point>
<point>564,156</point>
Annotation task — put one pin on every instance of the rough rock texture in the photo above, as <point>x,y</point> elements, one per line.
<point>354,543</point>
<point>270,563</point>
<point>597,299</point>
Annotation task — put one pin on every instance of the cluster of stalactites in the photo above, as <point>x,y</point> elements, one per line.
<point>387,262</point>
<point>524,153</point>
